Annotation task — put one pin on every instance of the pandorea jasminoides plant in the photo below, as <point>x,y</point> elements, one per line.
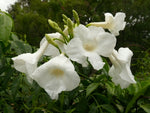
<point>27,62</point>
<point>57,75</point>
<point>113,24</point>
<point>120,70</point>
<point>78,44</point>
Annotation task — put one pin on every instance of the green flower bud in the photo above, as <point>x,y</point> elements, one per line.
<point>76,17</point>
<point>51,41</point>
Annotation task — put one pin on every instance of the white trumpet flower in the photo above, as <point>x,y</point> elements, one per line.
<point>90,43</point>
<point>120,70</point>
<point>27,62</point>
<point>56,75</point>
<point>113,24</point>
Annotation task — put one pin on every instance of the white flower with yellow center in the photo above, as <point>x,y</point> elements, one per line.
<point>27,62</point>
<point>120,70</point>
<point>90,43</point>
<point>114,24</point>
<point>52,50</point>
<point>56,75</point>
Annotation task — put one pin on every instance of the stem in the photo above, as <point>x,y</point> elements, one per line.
<point>65,38</point>
<point>59,40</point>
<point>96,102</point>
<point>85,76</point>
<point>59,50</point>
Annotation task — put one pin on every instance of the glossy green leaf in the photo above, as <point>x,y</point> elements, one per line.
<point>5,26</point>
<point>20,47</point>
<point>91,88</point>
<point>108,108</point>
<point>146,107</point>
<point>145,84</point>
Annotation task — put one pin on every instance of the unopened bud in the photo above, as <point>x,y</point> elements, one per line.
<point>76,17</point>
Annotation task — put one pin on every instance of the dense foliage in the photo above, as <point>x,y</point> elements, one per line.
<point>96,93</point>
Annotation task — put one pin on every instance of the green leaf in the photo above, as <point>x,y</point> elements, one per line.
<point>6,24</point>
<point>145,84</point>
<point>20,47</point>
<point>102,97</point>
<point>8,109</point>
<point>91,88</point>
<point>134,88</point>
<point>70,111</point>
<point>110,87</point>
<point>146,107</point>
<point>108,108</point>
<point>93,108</point>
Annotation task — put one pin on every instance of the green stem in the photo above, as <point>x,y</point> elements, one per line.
<point>59,40</point>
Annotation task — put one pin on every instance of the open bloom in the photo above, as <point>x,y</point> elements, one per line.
<point>56,75</point>
<point>114,24</point>
<point>120,70</point>
<point>27,62</point>
<point>90,43</point>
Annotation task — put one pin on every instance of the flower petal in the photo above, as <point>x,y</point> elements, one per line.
<point>75,51</point>
<point>109,18</point>
<point>120,20</point>
<point>125,54</point>
<point>95,61</point>
<point>21,62</point>
<point>106,43</point>
<point>81,32</point>
<point>94,31</point>
<point>121,78</point>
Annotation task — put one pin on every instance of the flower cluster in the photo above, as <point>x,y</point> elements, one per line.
<point>82,44</point>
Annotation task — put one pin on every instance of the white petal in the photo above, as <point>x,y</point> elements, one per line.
<point>117,77</point>
<point>71,80</point>
<point>81,32</point>
<point>126,74</point>
<point>22,62</point>
<point>125,54</point>
<point>75,51</point>
<point>109,18</point>
<point>120,21</point>
<point>54,84</point>
<point>106,43</point>
<point>95,31</point>
<point>96,61</point>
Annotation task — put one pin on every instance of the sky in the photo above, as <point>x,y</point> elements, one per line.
<point>4,4</point>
